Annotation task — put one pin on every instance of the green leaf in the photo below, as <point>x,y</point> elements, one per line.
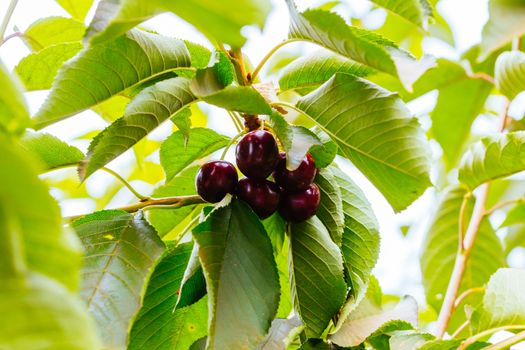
<point>214,19</point>
<point>102,71</point>
<point>275,226</point>
<point>358,327</point>
<point>360,241</point>
<point>112,109</point>
<point>380,339</point>
<point>510,73</point>
<point>241,277</point>
<point>325,153</point>
<point>176,154</point>
<point>516,215</point>
<point>503,303</point>
<point>193,285</point>
<point>403,340</point>
<point>145,112</point>
<point>330,31</point>
<point>244,99</point>
<point>441,245</point>
<point>50,150</point>
<point>316,270</point>
<point>166,221</point>
<point>54,30</point>
<point>415,11</point>
<point>356,123</point>
<point>505,23</point>
<point>38,70</point>
<point>157,326</point>
<point>182,120</point>
<point>330,210</point>
<point>76,8</point>
<point>451,344</point>
<point>493,157</point>
<point>39,313</point>
<point>282,332</point>
<point>31,212</point>
<point>295,140</point>
<point>14,116</point>
<point>458,103</point>
<point>120,251</point>
<point>308,72</point>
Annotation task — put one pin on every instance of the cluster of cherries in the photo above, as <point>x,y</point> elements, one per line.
<point>293,193</point>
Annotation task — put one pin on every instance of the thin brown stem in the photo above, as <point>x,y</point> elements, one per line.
<point>265,59</point>
<point>10,36</point>
<point>466,293</point>
<point>504,344</point>
<point>504,204</point>
<point>460,329</point>
<point>471,340</point>
<point>465,247</point>
<point>237,59</point>
<point>155,203</point>
<point>483,76</point>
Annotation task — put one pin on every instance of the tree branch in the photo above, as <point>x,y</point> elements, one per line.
<point>154,203</point>
<point>504,344</point>
<point>471,340</point>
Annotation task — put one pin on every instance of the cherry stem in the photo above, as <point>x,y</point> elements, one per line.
<point>265,59</point>
<point>232,141</point>
<point>474,338</point>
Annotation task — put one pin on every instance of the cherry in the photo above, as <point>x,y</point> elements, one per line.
<point>257,154</point>
<point>215,179</point>
<point>298,179</point>
<point>301,205</point>
<point>261,195</point>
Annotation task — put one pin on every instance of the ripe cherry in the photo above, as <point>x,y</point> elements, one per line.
<point>301,205</point>
<point>261,195</point>
<point>298,179</point>
<point>215,179</point>
<point>257,154</point>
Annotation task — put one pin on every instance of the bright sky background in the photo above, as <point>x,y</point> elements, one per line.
<point>398,266</point>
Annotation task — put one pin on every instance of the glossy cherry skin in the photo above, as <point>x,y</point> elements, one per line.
<point>215,179</point>
<point>261,195</point>
<point>301,205</point>
<point>298,179</point>
<point>257,154</point>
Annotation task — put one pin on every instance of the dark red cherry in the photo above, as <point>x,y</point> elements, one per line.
<point>261,195</point>
<point>257,154</point>
<point>301,205</point>
<point>298,179</point>
<point>215,179</point>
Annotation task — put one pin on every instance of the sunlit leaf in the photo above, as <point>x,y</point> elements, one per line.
<point>214,19</point>
<point>329,30</point>
<point>503,302</point>
<point>38,70</point>
<point>14,116</point>
<point>50,150</point>
<point>53,30</point>
<point>102,71</point>
<point>493,157</point>
<point>145,112</point>
<point>241,276</point>
<point>358,326</point>
<point>505,23</point>
<point>157,326</point>
<point>510,73</point>
<point>39,313</point>
<point>415,11</point>
<point>281,333</point>
<point>176,154</point>
<point>367,125</point>
<point>76,8</point>
<point>308,72</point>
<point>120,251</point>
<point>35,216</point>
<point>316,270</point>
